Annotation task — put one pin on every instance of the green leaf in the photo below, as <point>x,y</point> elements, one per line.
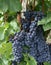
<point>1,61</point>
<point>14,6</point>
<point>14,25</point>
<point>3,29</point>
<point>3,5</point>
<point>29,60</point>
<point>6,25</point>
<point>45,20</point>
<point>6,50</point>
<point>32,61</point>
<point>1,33</point>
<point>47,26</point>
<point>5,62</point>
<point>47,63</point>
<point>11,5</point>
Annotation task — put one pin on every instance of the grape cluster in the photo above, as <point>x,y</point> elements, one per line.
<point>38,47</point>
<point>17,44</point>
<point>33,39</point>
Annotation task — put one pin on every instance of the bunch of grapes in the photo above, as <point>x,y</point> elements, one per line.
<point>33,39</point>
<point>17,44</point>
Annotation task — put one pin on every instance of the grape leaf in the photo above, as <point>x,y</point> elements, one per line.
<point>47,26</point>
<point>45,20</point>
<point>1,33</point>
<point>6,50</point>
<point>11,5</point>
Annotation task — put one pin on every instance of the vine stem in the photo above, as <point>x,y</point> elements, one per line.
<point>27,4</point>
<point>33,4</point>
